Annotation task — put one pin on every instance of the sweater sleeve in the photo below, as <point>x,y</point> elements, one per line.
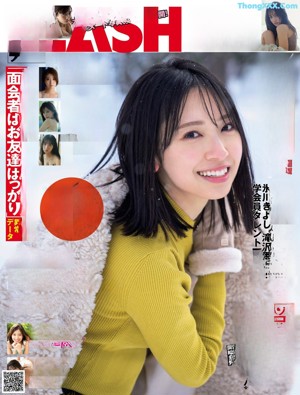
<point>186,342</point>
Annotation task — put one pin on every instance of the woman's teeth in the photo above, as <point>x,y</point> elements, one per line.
<point>214,173</point>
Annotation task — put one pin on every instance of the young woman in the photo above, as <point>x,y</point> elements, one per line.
<point>17,340</point>
<point>22,364</point>
<point>62,27</point>
<point>280,33</point>
<point>49,154</point>
<point>180,144</point>
<point>49,116</point>
<point>50,82</point>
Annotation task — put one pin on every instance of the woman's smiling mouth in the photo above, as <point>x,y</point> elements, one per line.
<point>214,173</point>
<point>217,175</point>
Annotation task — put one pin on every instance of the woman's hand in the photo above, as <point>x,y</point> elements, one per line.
<point>17,347</point>
<point>214,248</point>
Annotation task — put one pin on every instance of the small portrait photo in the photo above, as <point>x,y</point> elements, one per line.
<point>48,81</point>
<point>21,363</point>
<point>63,24</point>
<point>49,150</point>
<point>279,33</point>
<point>18,338</point>
<point>49,116</point>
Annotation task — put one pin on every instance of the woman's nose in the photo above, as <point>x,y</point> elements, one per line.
<point>216,149</point>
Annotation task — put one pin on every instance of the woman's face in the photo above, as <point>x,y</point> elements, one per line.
<point>17,336</point>
<point>203,159</point>
<point>50,81</point>
<point>276,20</point>
<point>64,18</point>
<point>48,114</point>
<point>47,147</point>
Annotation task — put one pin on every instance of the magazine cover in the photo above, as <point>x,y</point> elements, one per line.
<point>149,198</point>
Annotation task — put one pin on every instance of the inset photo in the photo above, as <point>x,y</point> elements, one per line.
<point>18,338</point>
<point>48,81</point>
<point>49,150</point>
<point>280,33</point>
<point>49,116</point>
<point>21,364</point>
<point>63,24</point>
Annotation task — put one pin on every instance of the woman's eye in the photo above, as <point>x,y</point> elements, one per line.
<point>191,135</point>
<point>227,128</point>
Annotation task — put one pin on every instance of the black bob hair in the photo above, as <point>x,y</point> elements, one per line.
<point>279,10</point>
<point>146,123</point>
<point>62,9</point>
<point>14,364</point>
<point>52,71</point>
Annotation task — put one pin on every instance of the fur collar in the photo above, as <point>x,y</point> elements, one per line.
<point>52,284</point>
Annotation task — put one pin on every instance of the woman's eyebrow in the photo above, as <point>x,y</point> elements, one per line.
<point>199,122</point>
<point>192,123</point>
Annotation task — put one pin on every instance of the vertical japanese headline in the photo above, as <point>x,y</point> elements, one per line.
<point>14,133</point>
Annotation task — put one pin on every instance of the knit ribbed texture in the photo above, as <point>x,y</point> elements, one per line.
<point>144,303</point>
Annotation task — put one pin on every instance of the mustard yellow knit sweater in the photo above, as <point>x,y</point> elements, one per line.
<point>144,303</point>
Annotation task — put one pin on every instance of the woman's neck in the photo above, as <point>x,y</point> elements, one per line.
<point>191,205</point>
<point>50,90</point>
<point>49,156</point>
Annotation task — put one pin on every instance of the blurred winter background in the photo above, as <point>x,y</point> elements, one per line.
<point>266,90</point>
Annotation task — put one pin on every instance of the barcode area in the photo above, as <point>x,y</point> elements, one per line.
<point>13,381</point>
